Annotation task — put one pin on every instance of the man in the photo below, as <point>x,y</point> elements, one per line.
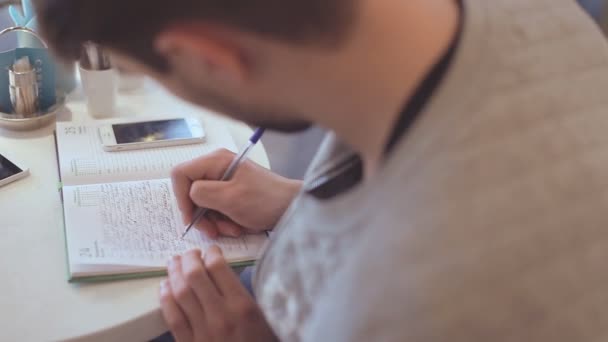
<point>460,196</point>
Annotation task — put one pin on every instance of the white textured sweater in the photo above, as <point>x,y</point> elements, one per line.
<point>490,220</point>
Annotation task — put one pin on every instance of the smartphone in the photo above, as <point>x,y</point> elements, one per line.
<point>150,134</point>
<point>10,172</point>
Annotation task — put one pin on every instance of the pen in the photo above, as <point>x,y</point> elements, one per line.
<point>238,159</point>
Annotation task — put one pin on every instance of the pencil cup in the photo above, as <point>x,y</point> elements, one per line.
<point>23,90</point>
<point>100,88</point>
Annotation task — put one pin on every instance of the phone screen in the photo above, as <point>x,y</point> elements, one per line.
<point>141,132</point>
<point>7,168</point>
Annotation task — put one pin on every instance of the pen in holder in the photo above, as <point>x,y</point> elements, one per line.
<point>23,88</point>
<point>99,81</point>
<point>28,96</point>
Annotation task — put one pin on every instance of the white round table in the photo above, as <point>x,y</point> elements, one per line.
<point>37,302</point>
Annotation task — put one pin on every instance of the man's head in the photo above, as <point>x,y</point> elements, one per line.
<point>216,53</point>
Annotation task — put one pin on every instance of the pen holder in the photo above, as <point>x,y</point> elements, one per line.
<point>16,86</point>
<point>42,77</point>
<point>100,88</point>
<point>23,90</point>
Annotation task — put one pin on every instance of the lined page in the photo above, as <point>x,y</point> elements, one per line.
<point>137,224</point>
<point>82,159</point>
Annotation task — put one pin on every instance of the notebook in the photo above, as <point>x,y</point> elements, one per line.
<point>120,215</point>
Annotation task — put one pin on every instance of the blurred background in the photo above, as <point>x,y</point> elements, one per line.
<point>290,155</point>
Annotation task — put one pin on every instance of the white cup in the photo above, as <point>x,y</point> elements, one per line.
<point>100,88</point>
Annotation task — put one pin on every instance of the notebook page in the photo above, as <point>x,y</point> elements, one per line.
<point>137,224</point>
<point>82,159</point>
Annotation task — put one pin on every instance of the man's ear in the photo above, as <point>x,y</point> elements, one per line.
<point>222,58</point>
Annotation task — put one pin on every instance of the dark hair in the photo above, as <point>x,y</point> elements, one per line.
<point>129,26</point>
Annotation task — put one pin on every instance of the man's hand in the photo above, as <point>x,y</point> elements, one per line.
<point>253,200</point>
<point>203,300</point>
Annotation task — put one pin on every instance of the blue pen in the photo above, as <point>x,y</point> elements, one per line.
<point>238,159</point>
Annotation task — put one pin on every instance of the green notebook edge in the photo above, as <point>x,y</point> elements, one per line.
<point>238,266</point>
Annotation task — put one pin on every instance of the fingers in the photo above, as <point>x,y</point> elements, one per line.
<point>181,189</point>
<point>222,275</point>
<point>173,315</point>
<point>207,292</point>
<point>229,228</point>
<point>204,299</point>
<point>196,277</point>
<point>208,227</point>
<point>185,297</point>
<point>211,166</point>
<point>225,226</point>
<point>214,224</point>
<point>215,195</point>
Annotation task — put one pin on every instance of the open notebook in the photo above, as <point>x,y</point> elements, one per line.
<point>121,217</point>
